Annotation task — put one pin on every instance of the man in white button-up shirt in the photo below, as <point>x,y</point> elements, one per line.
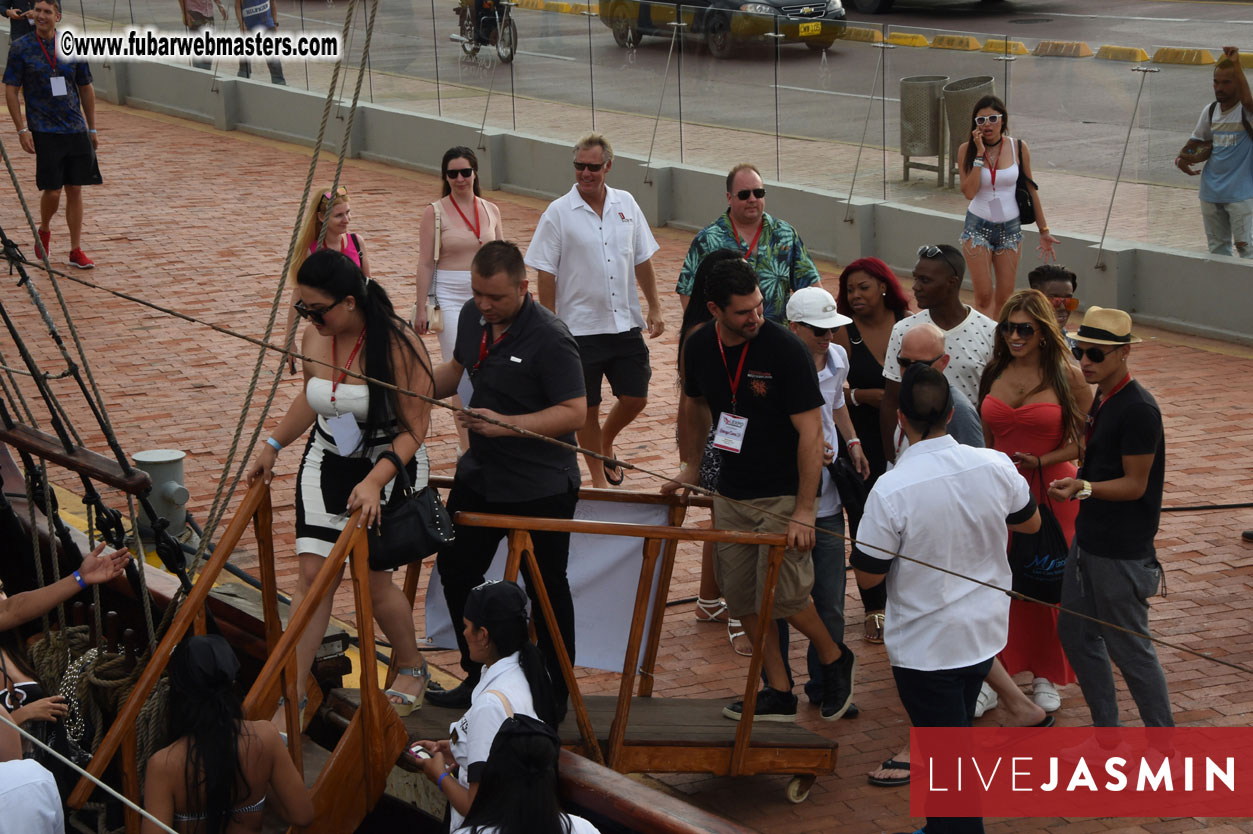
<point>591,248</point>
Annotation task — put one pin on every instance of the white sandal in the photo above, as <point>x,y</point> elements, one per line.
<point>736,629</point>
<point>711,610</point>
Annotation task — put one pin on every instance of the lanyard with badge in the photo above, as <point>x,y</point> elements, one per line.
<point>59,90</point>
<point>752,247</point>
<point>344,427</point>
<point>729,436</point>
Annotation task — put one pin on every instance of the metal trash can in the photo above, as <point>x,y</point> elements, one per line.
<point>959,99</point>
<point>922,122</point>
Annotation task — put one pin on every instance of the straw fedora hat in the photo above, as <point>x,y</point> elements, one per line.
<point>1102,326</point>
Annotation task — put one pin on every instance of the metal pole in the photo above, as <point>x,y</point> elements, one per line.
<point>778,161</point>
<point>491,86</point>
<point>674,34</point>
<point>848,207</point>
<point>678,21</point>
<point>1100,247</point>
<point>591,74</point>
<point>439,104</point>
<point>302,27</point>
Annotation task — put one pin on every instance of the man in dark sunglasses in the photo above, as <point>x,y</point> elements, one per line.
<point>927,345</point>
<point>771,246</point>
<point>1112,569</point>
<point>592,249</point>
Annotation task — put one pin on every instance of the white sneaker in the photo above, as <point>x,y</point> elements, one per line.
<point>1045,695</point>
<point>987,700</point>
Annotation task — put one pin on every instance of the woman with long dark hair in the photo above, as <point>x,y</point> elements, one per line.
<point>453,228</point>
<point>1033,400</point>
<point>992,237</point>
<point>221,771</point>
<point>357,428</point>
<point>20,692</point>
<point>518,792</point>
<point>710,607</point>
<point>872,297</point>
<point>514,682</point>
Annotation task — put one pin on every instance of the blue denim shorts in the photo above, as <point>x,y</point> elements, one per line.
<point>998,237</point>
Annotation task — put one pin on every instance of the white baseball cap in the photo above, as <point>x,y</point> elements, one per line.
<point>816,306</point>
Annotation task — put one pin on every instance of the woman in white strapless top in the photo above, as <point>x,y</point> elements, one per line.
<point>992,237</point>
<point>354,327</point>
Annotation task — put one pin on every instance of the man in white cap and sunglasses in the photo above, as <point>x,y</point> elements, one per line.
<point>1112,569</point>
<point>813,319</point>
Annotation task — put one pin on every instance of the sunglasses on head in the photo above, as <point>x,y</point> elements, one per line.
<point>317,315</point>
<point>588,166</point>
<point>453,173</point>
<point>339,192</point>
<point>745,193</point>
<point>1095,355</point>
<point>930,251</point>
<point>1070,304</point>
<point>988,120</point>
<point>906,363</point>
<point>1023,329</point>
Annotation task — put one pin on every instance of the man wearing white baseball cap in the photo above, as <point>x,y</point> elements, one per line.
<point>812,318</point>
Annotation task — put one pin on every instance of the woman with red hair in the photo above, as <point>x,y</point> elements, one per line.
<point>872,297</point>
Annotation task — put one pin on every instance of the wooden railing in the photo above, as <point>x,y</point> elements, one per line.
<point>354,777</point>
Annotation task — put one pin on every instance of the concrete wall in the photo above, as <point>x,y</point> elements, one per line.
<point>1190,292</point>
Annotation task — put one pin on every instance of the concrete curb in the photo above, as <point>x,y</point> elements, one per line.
<point>963,43</point>
<point>1133,54</point>
<point>999,46</point>
<point>1182,55</point>
<point>1063,49</point>
<point>862,34</point>
<point>908,39</point>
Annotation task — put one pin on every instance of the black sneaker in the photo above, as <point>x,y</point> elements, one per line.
<point>456,698</point>
<point>772,705</point>
<point>837,685</point>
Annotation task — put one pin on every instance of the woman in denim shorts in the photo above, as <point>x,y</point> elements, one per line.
<point>992,236</point>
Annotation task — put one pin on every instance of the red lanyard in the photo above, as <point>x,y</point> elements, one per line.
<point>991,168</point>
<point>344,374</point>
<point>483,348</point>
<point>1090,427</point>
<point>475,227</point>
<point>734,383</point>
<point>52,59</point>
<point>739,242</point>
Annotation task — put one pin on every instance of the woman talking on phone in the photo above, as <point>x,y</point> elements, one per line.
<point>992,238</point>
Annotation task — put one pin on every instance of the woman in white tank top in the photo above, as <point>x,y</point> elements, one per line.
<point>992,236</point>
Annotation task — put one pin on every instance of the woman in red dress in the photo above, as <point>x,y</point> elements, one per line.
<point>1033,399</point>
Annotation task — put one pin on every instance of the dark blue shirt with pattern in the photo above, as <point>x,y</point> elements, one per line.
<point>31,69</point>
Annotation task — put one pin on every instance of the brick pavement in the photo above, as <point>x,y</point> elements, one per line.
<point>199,220</point>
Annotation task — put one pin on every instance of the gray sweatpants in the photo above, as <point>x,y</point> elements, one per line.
<point>1116,591</point>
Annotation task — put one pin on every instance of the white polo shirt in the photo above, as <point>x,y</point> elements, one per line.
<point>473,733</point>
<point>594,258</point>
<point>831,383</point>
<point>969,344</point>
<point>29,801</point>
<point>947,505</point>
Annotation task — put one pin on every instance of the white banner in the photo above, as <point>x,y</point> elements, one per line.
<point>604,572</point>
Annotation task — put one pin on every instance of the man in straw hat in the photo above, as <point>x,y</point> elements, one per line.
<point>1112,569</point>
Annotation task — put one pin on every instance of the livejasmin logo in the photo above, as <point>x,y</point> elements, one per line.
<point>1081,772</point>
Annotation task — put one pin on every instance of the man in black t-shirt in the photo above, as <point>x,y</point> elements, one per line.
<point>1113,569</point>
<point>525,369</point>
<point>755,382</point>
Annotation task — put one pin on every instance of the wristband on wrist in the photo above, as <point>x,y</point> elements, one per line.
<point>91,130</point>
<point>852,395</point>
<point>274,444</point>
<point>854,442</point>
<point>78,577</point>
<point>23,130</point>
<point>439,783</point>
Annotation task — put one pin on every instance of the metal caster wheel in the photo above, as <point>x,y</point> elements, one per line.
<point>798,788</point>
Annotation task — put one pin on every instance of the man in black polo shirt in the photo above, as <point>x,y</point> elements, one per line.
<point>756,383</point>
<point>525,369</point>
<point>1113,569</point>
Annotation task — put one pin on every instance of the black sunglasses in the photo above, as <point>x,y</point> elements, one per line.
<point>745,193</point>
<point>930,251</point>
<point>1095,355</point>
<point>988,120</point>
<point>589,166</point>
<point>316,315</point>
<point>819,332</point>
<point>459,172</point>
<point>906,363</point>
<point>1023,329</point>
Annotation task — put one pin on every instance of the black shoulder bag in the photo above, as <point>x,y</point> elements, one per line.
<point>411,526</point>
<point>1038,560</point>
<point>1022,194</point>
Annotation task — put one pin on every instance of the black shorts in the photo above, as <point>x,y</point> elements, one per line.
<point>64,159</point>
<point>622,358</point>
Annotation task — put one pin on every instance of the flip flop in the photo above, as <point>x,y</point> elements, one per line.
<point>609,470</point>
<point>874,627</point>
<point>890,781</point>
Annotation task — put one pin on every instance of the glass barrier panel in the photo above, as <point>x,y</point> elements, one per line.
<point>1174,105</point>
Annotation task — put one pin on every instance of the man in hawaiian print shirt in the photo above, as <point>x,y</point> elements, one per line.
<point>770,245</point>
